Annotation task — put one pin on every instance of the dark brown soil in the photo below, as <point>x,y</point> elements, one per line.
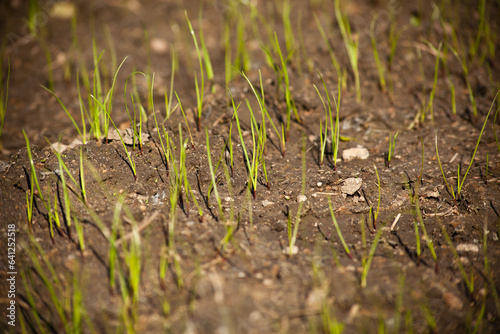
<point>249,284</point>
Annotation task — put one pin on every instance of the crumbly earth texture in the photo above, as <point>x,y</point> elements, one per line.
<point>140,255</point>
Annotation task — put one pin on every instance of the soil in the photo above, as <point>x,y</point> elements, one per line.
<point>250,284</point>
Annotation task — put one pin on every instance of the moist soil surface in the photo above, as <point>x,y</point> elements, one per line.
<point>435,259</point>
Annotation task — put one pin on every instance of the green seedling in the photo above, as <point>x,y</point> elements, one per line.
<point>473,50</point>
<point>228,67</point>
<point>390,154</point>
<point>394,35</point>
<point>334,126</point>
<point>112,253</point>
<point>231,225</point>
<point>4,97</point>
<point>223,156</point>
<point>287,25</point>
<point>307,59</point>
<point>33,16</point>
<point>212,174</point>
<point>133,259</point>
<point>374,214</point>
<point>449,78</point>
<point>337,228</point>
<point>418,219</point>
<point>242,57</point>
<point>172,255</point>
<point>206,56</point>
<point>148,74</point>
<point>185,119</point>
<point>82,178</point>
<point>52,216</point>
<point>351,43</point>
<point>66,200</point>
<point>463,63</point>
<point>261,134</point>
<point>164,146</point>
<point>111,47</point>
<point>82,135</point>
<point>369,259</point>
<point>79,233</point>
<point>78,311</point>
<point>31,300</point>
<point>430,244</point>
<point>282,75</point>
<point>137,130</point>
<point>200,88</point>
<point>50,280</point>
<point>330,321</point>
<point>341,75</point>
<point>35,178</point>
<point>48,60</point>
<point>63,167</point>
<point>443,56</point>
<point>101,105</point>
<point>461,180</point>
<point>433,91</point>
<point>30,193</point>
<point>250,160</point>
<point>414,197</point>
<point>180,173</point>
<point>419,116</point>
<point>83,110</point>
<point>263,109</point>
<point>169,99</point>
<point>380,67</point>
<point>292,236</point>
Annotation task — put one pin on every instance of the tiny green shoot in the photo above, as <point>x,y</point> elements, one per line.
<point>380,67</point>
<point>341,76</point>
<point>200,88</point>
<point>368,262</point>
<point>351,43</point>
<point>461,180</point>
<point>390,154</point>
<point>337,228</point>
<point>292,236</point>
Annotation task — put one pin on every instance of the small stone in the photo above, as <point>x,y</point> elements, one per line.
<point>351,186</point>
<point>468,248</point>
<point>58,147</point>
<point>228,199</point>
<point>158,45</point>
<point>127,136</point>
<point>266,203</point>
<point>301,198</point>
<point>63,10</point>
<point>355,153</point>
<point>267,281</point>
<point>319,184</point>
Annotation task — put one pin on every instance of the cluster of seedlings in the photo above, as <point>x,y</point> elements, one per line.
<point>254,133</point>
